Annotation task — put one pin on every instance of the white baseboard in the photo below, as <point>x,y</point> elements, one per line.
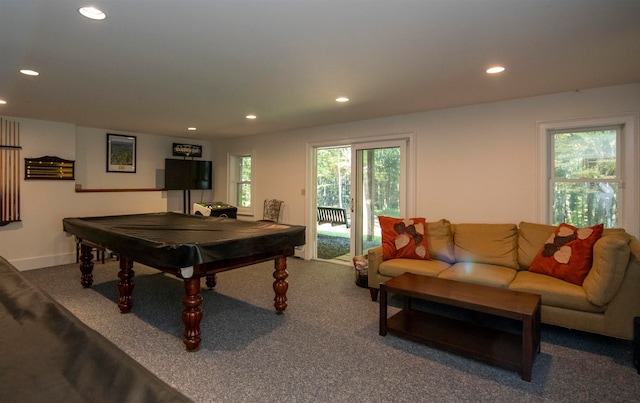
<point>300,252</point>
<point>39,262</point>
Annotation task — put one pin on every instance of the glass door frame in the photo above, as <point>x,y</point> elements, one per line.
<point>408,163</point>
<point>357,188</point>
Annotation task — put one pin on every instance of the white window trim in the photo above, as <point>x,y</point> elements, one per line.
<point>231,180</point>
<point>629,147</point>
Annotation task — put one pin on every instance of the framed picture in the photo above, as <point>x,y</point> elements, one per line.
<point>121,153</point>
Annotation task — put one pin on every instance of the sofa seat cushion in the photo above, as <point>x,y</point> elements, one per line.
<point>480,273</point>
<point>396,267</point>
<point>495,244</point>
<point>554,292</point>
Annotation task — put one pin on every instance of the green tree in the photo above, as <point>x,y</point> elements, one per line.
<point>334,176</point>
<point>585,178</point>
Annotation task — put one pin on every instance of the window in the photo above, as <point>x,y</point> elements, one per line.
<point>240,174</point>
<point>584,177</point>
<point>588,172</point>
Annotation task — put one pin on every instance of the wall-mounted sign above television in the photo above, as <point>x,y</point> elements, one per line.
<point>187,150</point>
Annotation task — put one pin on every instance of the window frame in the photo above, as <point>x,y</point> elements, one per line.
<point>234,164</point>
<point>553,180</point>
<point>628,150</point>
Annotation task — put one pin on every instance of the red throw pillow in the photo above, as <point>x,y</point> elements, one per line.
<point>404,237</point>
<point>568,253</point>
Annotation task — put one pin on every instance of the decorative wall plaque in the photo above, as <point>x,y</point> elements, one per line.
<point>187,150</point>
<point>53,168</point>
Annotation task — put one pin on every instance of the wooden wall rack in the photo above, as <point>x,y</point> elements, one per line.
<point>50,168</point>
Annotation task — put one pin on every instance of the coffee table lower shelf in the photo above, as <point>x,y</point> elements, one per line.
<point>493,346</point>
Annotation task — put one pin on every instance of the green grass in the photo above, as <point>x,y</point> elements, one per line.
<point>331,246</point>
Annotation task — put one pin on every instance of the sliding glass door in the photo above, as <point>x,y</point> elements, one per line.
<point>354,185</point>
<point>379,188</point>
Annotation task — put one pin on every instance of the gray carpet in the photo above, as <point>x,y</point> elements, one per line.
<point>325,347</point>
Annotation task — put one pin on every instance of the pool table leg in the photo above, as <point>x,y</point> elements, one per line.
<point>125,285</point>
<point>86,265</point>
<point>192,313</point>
<point>280,286</point>
<point>211,281</point>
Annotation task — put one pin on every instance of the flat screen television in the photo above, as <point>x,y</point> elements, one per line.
<point>187,174</point>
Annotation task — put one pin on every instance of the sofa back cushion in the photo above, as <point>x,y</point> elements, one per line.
<point>486,243</point>
<point>610,258</point>
<point>531,238</point>
<point>440,240</point>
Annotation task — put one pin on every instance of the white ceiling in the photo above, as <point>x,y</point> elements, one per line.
<point>160,66</point>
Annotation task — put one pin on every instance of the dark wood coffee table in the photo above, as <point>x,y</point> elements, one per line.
<point>478,338</point>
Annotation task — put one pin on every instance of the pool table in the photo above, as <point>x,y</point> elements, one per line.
<point>189,247</point>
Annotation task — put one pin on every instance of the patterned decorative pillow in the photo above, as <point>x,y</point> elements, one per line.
<point>404,237</point>
<point>568,253</point>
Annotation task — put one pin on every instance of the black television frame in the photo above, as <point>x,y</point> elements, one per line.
<point>183,174</point>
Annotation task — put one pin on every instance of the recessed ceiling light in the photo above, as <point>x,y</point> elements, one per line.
<point>92,13</point>
<point>28,72</point>
<point>495,70</point>
<point>342,99</point>
<point>191,128</point>
<point>251,116</point>
<point>3,102</point>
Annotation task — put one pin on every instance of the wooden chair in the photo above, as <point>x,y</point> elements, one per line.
<point>273,210</point>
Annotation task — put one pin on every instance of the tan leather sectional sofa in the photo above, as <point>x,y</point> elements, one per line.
<point>499,255</point>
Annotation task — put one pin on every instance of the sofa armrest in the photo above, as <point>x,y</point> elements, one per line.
<point>634,245</point>
<point>375,258</point>
<point>626,303</point>
<point>610,260</point>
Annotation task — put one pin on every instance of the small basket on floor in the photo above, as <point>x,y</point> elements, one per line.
<point>361,265</point>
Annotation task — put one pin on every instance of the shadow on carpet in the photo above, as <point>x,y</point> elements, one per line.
<point>223,311</point>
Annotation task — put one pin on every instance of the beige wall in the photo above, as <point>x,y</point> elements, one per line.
<point>38,240</point>
<point>474,164</point>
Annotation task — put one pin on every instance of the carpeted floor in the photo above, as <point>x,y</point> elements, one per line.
<point>325,347</point>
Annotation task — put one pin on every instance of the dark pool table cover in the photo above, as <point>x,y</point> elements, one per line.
<point>48,355</point>
<point>174,241</point>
